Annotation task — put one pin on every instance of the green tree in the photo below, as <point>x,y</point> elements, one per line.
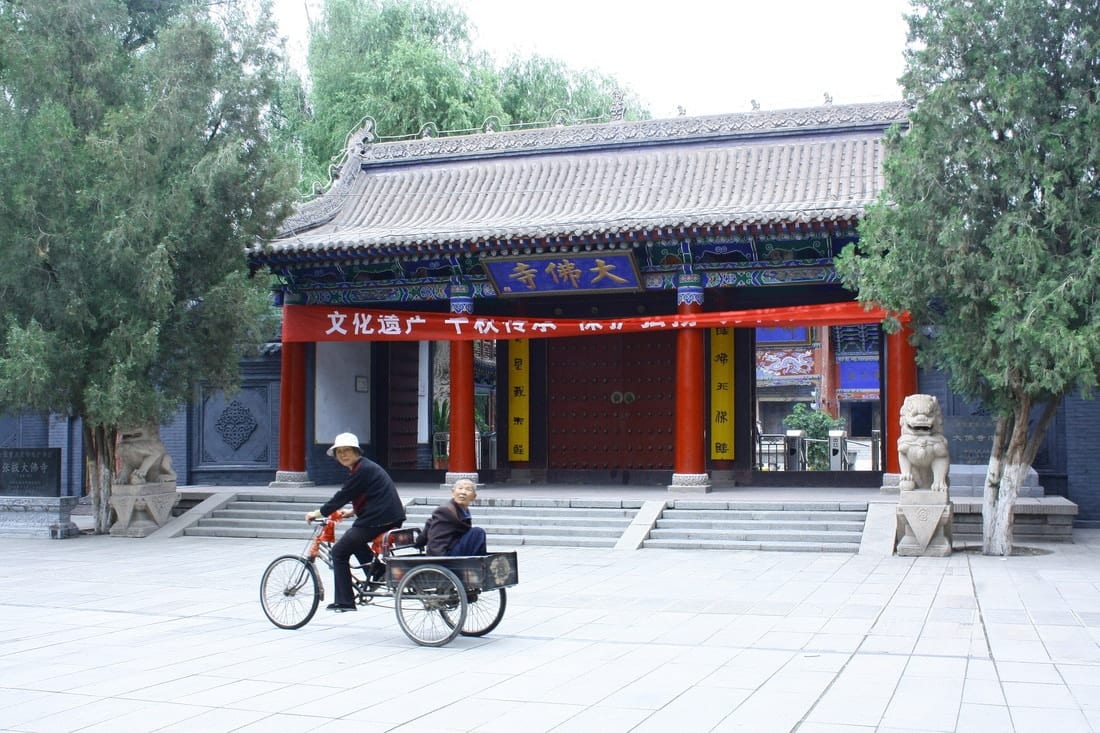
<point>534,89</point>
<point>411,64</point>
<point>988,233</point>
<point>406,63</point>
<point>137,168</point>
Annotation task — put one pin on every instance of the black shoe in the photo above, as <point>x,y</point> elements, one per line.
<point>339,608</point>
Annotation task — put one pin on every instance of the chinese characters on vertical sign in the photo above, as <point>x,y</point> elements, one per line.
<point>582,272</point>
<point>519,400</point>
<point>721,394</point>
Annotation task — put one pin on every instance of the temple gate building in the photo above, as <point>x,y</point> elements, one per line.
<point>619,303</point>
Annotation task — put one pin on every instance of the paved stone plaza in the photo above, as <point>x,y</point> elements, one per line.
<point>118,634</point>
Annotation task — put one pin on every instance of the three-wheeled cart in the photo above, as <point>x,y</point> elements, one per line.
<point>435,598</point>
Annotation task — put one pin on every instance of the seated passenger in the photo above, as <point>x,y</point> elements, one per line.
<point>450,530</point>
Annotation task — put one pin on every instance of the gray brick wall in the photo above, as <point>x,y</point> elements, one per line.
<point>1082,426</point>
<point>173,434</point>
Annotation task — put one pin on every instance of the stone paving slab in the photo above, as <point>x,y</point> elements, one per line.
<point>166,634</point>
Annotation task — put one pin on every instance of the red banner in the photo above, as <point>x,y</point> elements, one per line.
<point>311,323</point>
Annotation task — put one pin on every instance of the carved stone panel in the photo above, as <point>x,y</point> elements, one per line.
<point>238,429</point>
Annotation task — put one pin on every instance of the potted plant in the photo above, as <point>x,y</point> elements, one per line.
<point>441,435</point>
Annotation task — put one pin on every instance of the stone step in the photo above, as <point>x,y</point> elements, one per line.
<point>414,518</point>
<point>731,515</point>
<point>252,532</point>
<point>734,525</point>
<point>801,526</point>
<point>531,521</point>
<point>417,509</point>
<point>763,535</point>
<point>293,526</point>
<point>495,540</point>
<point>688,523</point>
<point>770,506</point>
<point>769,546</point>
<point>423,510</point>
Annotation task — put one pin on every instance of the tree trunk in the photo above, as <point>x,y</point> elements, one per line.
<point>99,462</point>
<point>990,493</point>
<point>1015,445</point>
<point>998,518</point>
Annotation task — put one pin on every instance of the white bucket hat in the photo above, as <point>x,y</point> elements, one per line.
<point>344,440</point>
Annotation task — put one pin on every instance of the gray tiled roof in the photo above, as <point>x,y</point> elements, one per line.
<point>798,166</point>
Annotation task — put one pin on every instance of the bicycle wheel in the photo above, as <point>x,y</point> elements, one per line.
<point>422,598</point>
<point>484,611</point>
<point>290,592</point>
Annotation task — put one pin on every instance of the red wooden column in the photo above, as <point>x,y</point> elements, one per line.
<point>463,459</point>
<point>689,470</point>
<point>901,381</point>
<point>292,417</point>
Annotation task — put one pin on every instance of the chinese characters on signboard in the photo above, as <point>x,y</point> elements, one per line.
<point>519,400</point>
<point>307,323</point>
<point>30,472</point>
<point>575,272</point>
<point>721,394</point>
<point>970,437</point>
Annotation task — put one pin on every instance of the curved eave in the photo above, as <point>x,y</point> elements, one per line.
<point>341,250</point>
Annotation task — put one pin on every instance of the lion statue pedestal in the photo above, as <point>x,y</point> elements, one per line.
<point>924,512</point>
<point>144,490</point>
<point>924,520</point>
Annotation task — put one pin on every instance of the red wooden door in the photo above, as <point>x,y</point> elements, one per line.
<point>611,402</point>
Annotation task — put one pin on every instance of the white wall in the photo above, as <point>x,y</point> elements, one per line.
<point>340,403</point>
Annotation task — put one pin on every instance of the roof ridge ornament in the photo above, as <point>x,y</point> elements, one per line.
<point>591,135</point>
<point>618,106</point>
<point>342,171</point>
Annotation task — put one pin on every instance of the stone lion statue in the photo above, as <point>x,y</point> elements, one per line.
<point>922,448</point>
<point>142,457</point>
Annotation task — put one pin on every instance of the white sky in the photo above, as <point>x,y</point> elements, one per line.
<point>708,56</point>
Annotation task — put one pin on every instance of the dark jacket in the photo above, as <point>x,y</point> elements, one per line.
<point>371,493</point>
<point>447,523</point>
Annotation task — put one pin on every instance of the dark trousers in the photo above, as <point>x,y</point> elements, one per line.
<point>471,543</point>
<point>355,541</point>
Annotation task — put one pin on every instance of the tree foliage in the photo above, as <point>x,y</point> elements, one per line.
<point>535,88</point>
<point>134,140</point>
<point>988,233</point>
<point>411,65</point>
<point>406,63</point>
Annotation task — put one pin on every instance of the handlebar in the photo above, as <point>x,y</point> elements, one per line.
<point>336,517</point>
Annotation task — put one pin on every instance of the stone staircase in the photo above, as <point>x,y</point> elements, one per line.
<point>546,522</point>
<point>595,523</point>
<point>804,526</point>
<point>550,522</point>
<point>258,516</point>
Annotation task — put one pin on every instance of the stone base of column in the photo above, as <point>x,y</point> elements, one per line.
<point>698,483</point>
<point>891,483</point>
<point>525,476</point>
<point>450,477</point>
<point>290,480</point>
